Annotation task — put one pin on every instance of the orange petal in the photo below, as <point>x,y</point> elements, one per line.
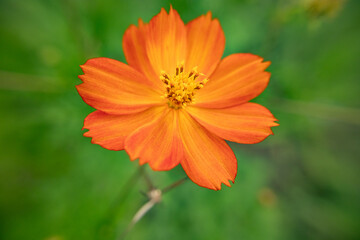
<point>157,143</point>
<point>166,41</point>
<point>238,79</point>
<point>110,131</point>
<point>115,88</point>
<point>247,123</point>
<point>134,46</point>
<point>205,44</point>
<point>208,160</point>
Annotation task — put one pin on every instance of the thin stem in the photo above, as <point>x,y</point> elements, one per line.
<point>147,178</point>
<point>155,196</point>
<point>174,185</point>
<point>120,199</point>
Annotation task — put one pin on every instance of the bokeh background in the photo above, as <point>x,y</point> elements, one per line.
<point>301,183</point>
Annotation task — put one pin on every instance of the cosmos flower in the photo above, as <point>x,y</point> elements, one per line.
<point>177,101</point>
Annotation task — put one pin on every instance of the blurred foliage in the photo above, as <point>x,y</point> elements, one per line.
<point>301,183</point>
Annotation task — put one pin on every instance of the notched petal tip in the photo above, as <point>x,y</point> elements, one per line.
<point>208,160</point>
<point>131,28</point>
<point>82,78</point>
<point>140,22</point>
<point>162,11</point>
<point>208,15</point>
<point>93,61</point>
<point>266,64</point>
<point>132,156</point>
<point>173,11</point>
<point>219,186</point>
<point>226,183</point>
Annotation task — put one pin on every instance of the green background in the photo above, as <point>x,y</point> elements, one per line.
<point>301,183</point>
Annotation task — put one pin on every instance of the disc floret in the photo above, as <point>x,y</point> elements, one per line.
<point>182,86</point>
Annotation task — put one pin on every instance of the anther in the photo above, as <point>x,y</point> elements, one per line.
<point>181,87</point>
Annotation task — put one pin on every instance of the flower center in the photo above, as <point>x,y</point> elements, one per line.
<point>181,88</point>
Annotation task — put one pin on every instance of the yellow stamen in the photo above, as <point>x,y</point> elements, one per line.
<point>181,88</point>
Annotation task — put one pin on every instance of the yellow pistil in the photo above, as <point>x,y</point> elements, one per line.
<point>181,88</point>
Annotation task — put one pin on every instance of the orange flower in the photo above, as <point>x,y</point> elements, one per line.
<point>176,101</point>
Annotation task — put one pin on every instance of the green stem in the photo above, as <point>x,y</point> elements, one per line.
<point>155,196</point>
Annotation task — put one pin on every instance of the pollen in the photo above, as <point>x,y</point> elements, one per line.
<point>182,86</point>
